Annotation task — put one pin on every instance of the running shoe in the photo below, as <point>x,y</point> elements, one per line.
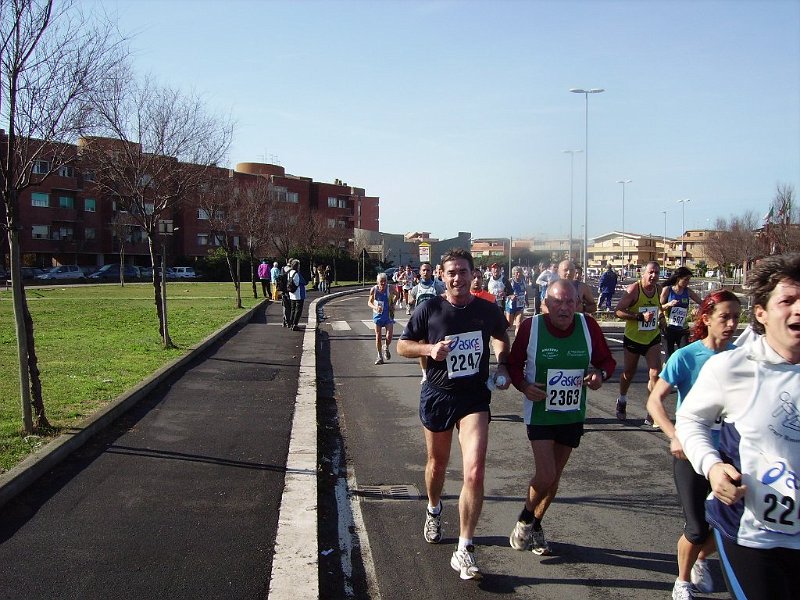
<point>539,545</point>
<point>701,577</point>
<point>463,561</point>
<point>386,353</point>
<point>520,538</point>
<point>424,379</point>
<point>650,422</point>
<point>433,526</point>
<point>408,310</point>
<point>379,360</point>
<point>682,590</point>
<point>621,410</point>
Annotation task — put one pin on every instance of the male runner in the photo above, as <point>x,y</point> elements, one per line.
<point>426,289</point>
<point>585,302</point>
<point>550,364</point>
<point>476,288</point>
<point>454,331</point>
<point>639,307</point>
<point>498,285</point>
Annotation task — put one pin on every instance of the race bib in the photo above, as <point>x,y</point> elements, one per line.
<point>464,358</point>
<point>379,307</point>
<point>653,324</point>
<point>677,316</point>
<point>563,390</point>
<point>772,497</point>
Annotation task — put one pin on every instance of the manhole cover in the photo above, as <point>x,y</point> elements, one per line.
<point>388,492</point>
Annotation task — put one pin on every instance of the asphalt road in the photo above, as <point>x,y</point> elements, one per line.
<point>613,526</point>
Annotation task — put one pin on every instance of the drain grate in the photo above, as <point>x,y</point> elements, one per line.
<point>388,492</point>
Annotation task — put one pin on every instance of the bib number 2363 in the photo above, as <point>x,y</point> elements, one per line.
<point>464,358</point>
<point>564,387</point>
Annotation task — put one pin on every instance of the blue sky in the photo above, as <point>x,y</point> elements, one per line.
<point>456,114</point>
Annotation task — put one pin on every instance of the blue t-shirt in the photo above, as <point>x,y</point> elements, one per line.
<point>684,366</point>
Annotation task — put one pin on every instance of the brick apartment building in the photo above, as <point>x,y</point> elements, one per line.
<point>67,221</point>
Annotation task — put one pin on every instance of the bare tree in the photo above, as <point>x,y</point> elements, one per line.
<point>255,205</point>
<point>53,61</point>
<point>219,200</point>
<point>121,227</point>
<point>159,146</point>
<point>780,232</point>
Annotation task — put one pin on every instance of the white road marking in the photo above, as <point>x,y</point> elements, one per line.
<point>340,326</point>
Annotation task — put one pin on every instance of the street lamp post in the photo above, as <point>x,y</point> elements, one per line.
<point>623,182</point>
<point>665,238</point>
<point>586,197</point>
<point>572,154</point>
<point>683,230</point>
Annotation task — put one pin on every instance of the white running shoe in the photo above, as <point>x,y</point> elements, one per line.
<point>433,526</point>
<point>539,545</point>
<point>379,360</point>
<point>520,538</point>
<point>386,353</point>
<point>408,310</point>
<point>701,577</point>
<point>463,561</point>
<point>682,590</point>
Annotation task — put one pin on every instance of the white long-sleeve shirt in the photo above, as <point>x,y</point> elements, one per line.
<point>757,394</point>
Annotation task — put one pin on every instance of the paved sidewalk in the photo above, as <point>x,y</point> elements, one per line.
<point>180,497</point>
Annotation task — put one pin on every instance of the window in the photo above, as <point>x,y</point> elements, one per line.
<point>89,233</point>
<point>66,202</point>
<point>149,208</point>
<point>219,239</point>
<point>41,232</point>
<point>293,197</point>
<point>90,205</point>
<point>202,239</point>
<point>89,175</point>
<point>40,199</point>
<point>66,171</point>
<point>202,214</point>
<point>40,167</point>
<point>331,223</point>
<point>334,202</point>
<point>62,233</point>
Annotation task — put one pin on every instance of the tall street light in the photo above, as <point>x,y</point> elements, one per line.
<point>683,230</point>
<point>623,182</point>
<point>586,197</point>
<point>572,154</point>
<point>665,238</point>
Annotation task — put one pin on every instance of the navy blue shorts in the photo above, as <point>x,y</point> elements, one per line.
<point>441,410</point>
<point>637,348</point>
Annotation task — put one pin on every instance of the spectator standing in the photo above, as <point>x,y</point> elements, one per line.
<point>297,283</point>
<point>274,273</point>
<point>607,287</point>
<point>264,276</point>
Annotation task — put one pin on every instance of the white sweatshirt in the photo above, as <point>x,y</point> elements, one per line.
<point>757,394</point>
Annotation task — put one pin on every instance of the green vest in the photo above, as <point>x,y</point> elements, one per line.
<point>637,331</point>
<point>560,364</point>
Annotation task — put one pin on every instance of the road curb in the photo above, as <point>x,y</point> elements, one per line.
<point>20,477</point>
<point>295,562</point>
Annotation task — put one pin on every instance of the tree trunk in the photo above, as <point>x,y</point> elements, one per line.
<point>157,276</point>
<point>40,421</point>
<point>235,278</point>
<point>253,277</point>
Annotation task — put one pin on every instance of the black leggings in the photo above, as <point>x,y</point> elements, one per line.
<point>756,573</point>
<point>692,492</point>
<point>676,338</point>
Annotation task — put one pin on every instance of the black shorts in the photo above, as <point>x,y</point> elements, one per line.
<point>566,435</point>
<point>692,492</point>
<point>637,348</point>
<point>441,410</point>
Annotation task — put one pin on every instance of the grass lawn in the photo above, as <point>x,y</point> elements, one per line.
<point>95,342</point>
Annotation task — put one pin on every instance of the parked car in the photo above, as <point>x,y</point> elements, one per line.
<point>31,272</point>
<point>111,272</point>
<point>390,273</point>
<point>146,273</point>
<point>182,273</point>
<point>64,272</point>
